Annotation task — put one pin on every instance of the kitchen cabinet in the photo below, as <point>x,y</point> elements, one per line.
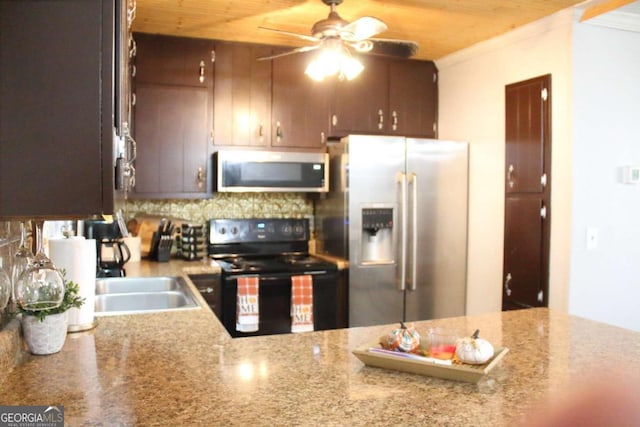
<point>390,97</point>
<point>209,287</point>
<point>300,105</point>
<point>360,105</point>
<point>173,113</point>
<point>242,106</point>
<point>413,99</point>
<point>56,108</point>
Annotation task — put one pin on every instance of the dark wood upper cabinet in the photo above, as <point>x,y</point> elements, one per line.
<point>56,108</point>
<point>173,60</point>
<point>360,105</point>
<point>413,98</point>
<point>390,97</point>
<point>173,116</point>
<point>300,106</point>
<point>242,105</point>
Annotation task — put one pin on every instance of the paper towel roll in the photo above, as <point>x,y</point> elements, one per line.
<point>77,256</point>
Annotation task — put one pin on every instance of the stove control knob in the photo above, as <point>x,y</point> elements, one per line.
<point>298,230</point>
<point>222,231</point>
<point>286,229</point>
<point>234,230</point>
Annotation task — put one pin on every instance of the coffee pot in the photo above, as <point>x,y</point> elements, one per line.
<point>111,250</point>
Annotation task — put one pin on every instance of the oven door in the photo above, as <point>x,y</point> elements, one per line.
<point>275,302</point>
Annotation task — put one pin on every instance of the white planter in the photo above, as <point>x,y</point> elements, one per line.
<point>45,337</point>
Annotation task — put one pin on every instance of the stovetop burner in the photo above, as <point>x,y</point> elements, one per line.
<point>274,264</point>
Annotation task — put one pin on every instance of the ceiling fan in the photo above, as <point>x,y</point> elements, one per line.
<point>335,32</point>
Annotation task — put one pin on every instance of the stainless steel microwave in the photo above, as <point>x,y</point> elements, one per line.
<point>276,171</point>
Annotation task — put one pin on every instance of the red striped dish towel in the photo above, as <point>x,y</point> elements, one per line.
<point>301,303</point>
<point>247,307</point>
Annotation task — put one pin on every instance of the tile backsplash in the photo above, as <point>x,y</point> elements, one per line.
<point>225,205</point>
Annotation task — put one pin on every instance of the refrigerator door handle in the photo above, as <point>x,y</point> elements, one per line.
<point>401,178</point>
<point>413,182</point>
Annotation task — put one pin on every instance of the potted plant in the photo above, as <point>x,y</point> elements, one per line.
<point>45,330</point>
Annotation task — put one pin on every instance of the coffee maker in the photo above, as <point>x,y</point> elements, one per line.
<point>111,251</point>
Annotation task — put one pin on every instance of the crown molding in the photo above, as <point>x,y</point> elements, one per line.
<point>618,20</point>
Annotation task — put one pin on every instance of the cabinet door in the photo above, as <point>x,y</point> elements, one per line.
<point>173,117</point>
<point>360,105</point>
<point>242,102</point>
<point>413,98</point>
<point>173,60</point>
<point>56,108</point>
<point>300,107</point>
<point>172,135</point>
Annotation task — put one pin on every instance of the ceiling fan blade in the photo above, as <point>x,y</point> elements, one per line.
<point>289,52</point>
<point>362,28</point>
<point>387,47</point>
<point>289,33</point>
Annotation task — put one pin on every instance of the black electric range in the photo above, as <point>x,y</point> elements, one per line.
<point>274,250</point>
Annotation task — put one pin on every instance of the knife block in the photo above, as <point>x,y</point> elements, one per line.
<point>160,247</point>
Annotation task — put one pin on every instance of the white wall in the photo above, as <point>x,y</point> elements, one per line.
<point>605,282</point>
<point>471,90</point>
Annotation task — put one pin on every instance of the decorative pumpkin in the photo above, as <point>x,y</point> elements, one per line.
<point>474,350</point>
<point>403,339</point>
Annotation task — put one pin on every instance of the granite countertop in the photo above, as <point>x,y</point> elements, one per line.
<point>182,368</point>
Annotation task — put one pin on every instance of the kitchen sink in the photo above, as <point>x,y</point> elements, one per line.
<point>137,295</point>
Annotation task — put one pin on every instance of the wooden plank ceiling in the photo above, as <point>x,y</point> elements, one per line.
<point>440,27</point>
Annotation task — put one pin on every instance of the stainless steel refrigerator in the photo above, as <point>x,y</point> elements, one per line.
<point>397,211</point>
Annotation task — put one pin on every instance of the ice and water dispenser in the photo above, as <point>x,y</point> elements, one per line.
<point>376,246</point>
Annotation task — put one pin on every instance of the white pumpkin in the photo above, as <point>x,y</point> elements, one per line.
<point>474,350</point>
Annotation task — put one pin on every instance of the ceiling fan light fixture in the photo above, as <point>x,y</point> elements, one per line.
<point>331,61</point>
<point>351,68</point>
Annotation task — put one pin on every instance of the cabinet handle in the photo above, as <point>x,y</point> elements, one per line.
<point>133,99</point>
<point>380,120</point>
<point>131,13</point>
<point>261,133</point>
<point>133,70</point>
<point>509,177</point>
<point>132,176</point>
<point>200,177</point>
<point>507,282</point>
<point>323,138</point>
<point>133,47</point>
<point>334,120</point>
<point>278,131</point>
<point>394,120</point>
<point>201,72</point>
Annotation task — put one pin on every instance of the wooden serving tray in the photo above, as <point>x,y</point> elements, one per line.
<point>456,371</point>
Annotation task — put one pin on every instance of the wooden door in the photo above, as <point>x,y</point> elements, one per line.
<point>413,98</point>
<point>527,193</point>
<point>300,105</point>
<point>242,101</point>
<point>360,105</point>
